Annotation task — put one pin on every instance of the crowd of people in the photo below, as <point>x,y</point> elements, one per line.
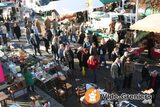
<point>91,52</point>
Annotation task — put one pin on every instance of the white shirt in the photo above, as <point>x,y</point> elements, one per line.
<point>118,26</point>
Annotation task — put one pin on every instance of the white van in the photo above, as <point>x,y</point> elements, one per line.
<point>102,20</point>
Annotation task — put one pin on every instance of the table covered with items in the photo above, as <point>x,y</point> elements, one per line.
<point>13,62</point>
<point>104,102</point>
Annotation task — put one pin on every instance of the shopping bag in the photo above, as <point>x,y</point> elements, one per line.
<point>83,71</point>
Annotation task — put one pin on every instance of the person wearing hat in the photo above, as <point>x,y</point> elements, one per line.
<point>154,84</point>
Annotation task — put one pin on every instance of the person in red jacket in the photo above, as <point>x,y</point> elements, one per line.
<point>92,65</point>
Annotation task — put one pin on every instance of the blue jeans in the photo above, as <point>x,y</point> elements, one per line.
<point>73,35</point>
<point>102,58</point>
<point>118,83</point>
<point>93,76</point>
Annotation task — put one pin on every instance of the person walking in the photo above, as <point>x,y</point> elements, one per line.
<point>47,23</point>
<point>54,47</point>
<point>102,52</point>
<point>60,53</point>
<point>145,75</point>
<point>155,85</point>
<point>86,43</point>
<point>69,56</point>
<point>55,26</point>
<point>17,31</point>
<point>116,74</point>
<point>129,69</point>
<point>79,56</point>
<point>38,25</point>
<point>35,41</point>
<point>84,57</point>
<point>28,33</point>
<point>115,54</point>
<point>73,33</point>
<point>46,43</point>
<point>110,46</point>
<point>93,50</point>
<point>28,79</point>
<point>92,65</point>
<point>49,35</point>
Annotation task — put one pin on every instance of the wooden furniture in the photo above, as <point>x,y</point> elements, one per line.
<point>9,79</point>
<point>59,93</point>
<point>49,86</point>
<point>80,91</point>
<point>66,86</point>
<point>3,86</point>
<point>15,88</point>
<point>62,78</point>
<point>3,98</point>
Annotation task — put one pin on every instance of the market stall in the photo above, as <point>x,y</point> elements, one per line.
<point>148,24</point>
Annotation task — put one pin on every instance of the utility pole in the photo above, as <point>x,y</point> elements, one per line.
<point>137,6</point>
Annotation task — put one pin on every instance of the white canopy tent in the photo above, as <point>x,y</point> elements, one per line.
<point>64,7</point>
<point>148,24</point>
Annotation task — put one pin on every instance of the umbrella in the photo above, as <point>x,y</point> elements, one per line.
<point>108,1</point>
<point>148,24</point>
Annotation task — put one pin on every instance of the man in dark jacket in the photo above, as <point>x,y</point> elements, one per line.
<point>35,41</point>
<point>102,52</point>
<point>69,56</point>
<point>46,43</point>
<point>49,35</point>
<point>17,31</point>
<point>154,84</point>
<point>110,45</point>
<point>145,74</point>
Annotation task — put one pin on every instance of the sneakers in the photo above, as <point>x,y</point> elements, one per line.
<point>102,64</point>
<point>153,105</point>
<point>149,101</point>
<point>139,86</point>
<point>107,67</point>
